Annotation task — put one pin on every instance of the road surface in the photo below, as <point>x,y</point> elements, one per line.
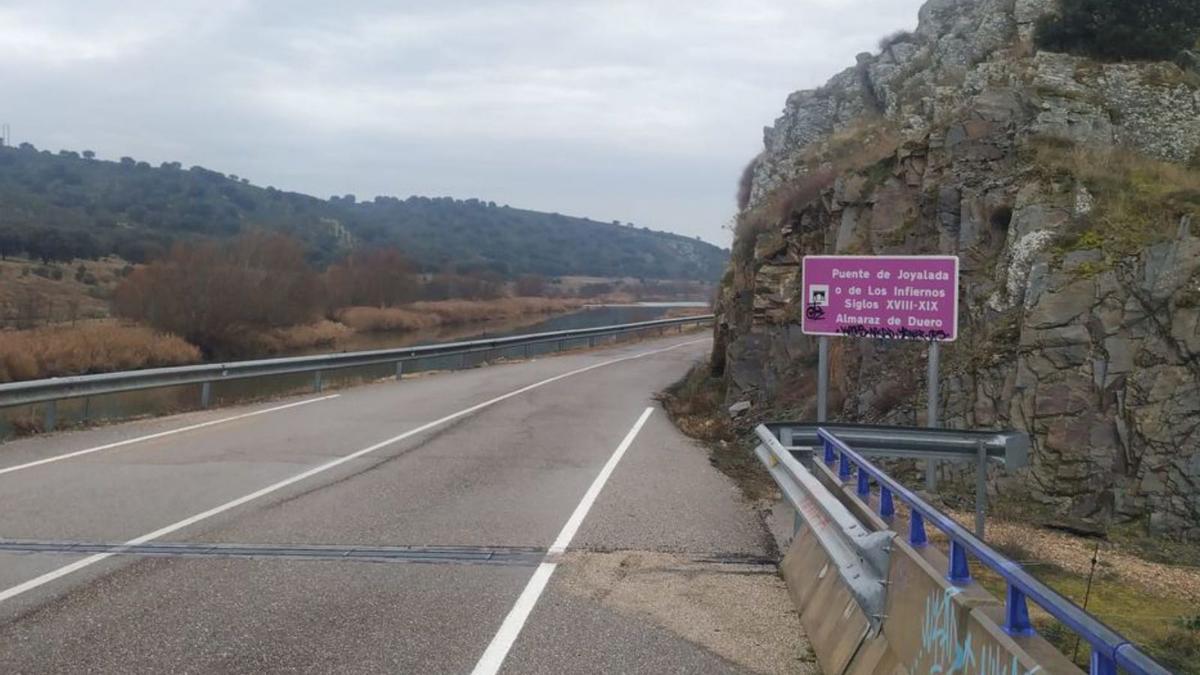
<point>535,517</point>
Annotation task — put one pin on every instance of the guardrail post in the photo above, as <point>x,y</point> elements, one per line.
<point>1016,613</point>
<point>1101,664</point>
<point>51,419</point>
<point>830,458</point>
<point>318,385</point>
<point>592,342</point>
<point>981,490</point>
<point>935,356</point>
<point>399,370</point>
<point>887,508</point>
<point>960,570</point>
<point>822,379</point>
<point>205,394</point>
<point>844,468</point>
<point>916,529</point>
<point>864,484</point>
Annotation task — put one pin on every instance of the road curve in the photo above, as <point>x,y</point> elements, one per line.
<point>541,516</point>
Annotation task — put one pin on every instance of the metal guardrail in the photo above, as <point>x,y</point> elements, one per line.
<point>860,555</point>
<point>1109,649</point>
<point>54,389</point>
<point>1010,448</point>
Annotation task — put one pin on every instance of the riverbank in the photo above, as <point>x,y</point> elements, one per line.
<point>106,345</point>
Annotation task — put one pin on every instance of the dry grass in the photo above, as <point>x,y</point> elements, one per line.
<point>322,334</point>
<point>868,147</point>
<point>1073,554</point>
<point>1153,604</point>
<point>379,319</point>
<point>30,295</point>
<point>1139,201</point>
<point>426,315</point>
<point>89,347</point>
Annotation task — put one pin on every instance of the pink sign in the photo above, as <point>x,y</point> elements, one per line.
<point>888,297</point>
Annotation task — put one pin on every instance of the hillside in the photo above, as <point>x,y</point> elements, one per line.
<point>69,204</point>
<point>1061,163</point>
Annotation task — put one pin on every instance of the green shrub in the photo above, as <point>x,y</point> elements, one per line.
<point>1120,29</point>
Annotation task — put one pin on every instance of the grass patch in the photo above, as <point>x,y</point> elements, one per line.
<point>1168,628</point>
<point>696,405</point>
<point>1139,201</point>
<point>1132,539</point>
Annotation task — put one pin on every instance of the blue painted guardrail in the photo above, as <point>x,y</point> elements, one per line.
<point>1109,649</point>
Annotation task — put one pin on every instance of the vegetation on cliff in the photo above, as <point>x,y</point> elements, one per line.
<point>1120,29</point>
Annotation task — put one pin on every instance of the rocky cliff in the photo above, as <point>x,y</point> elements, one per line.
<point>1070,190</point>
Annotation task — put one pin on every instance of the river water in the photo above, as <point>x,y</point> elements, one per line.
<point>99,409</point>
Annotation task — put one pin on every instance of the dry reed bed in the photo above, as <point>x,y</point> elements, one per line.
<point>89,347</point>
<point>426,315</point>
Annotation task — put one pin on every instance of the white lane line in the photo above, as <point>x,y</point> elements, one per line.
<point>161,434</point>
<point>493,657</point>
<point>93,559</point>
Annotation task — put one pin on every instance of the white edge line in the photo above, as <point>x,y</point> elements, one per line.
<point>497,650</point>
<point>91,560</point>
<point>161,434</point>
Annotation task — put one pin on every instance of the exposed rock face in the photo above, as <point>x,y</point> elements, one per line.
<point>936,146</point>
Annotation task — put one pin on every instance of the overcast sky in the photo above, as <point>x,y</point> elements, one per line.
<point>642,111</point>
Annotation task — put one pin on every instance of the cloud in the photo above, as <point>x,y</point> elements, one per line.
<point>636,111</point>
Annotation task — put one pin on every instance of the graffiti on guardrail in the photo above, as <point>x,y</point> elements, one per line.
<point>945,652</point>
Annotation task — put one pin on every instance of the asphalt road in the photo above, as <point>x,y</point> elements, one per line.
<point>540,517</point>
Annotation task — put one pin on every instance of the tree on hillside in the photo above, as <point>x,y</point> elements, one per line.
<point>11,242</point>
<point>213,293</point>
<point>1121,29</point>
<point>49,246</point>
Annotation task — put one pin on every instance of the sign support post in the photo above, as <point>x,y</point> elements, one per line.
<point>931,414</point>
<point>823,379</point>
<point>896,298</point>
<point>981,490</point>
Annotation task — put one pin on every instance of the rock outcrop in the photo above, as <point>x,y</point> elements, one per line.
<point>1063,185</point>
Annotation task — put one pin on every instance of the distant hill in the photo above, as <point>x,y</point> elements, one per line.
<point>73,205</point>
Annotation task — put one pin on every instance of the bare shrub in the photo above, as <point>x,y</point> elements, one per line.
<point>896,38</point>
<point>531,286</point>
<point>210,293</point>
<point>373,278</point>
<point>746,184</point>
